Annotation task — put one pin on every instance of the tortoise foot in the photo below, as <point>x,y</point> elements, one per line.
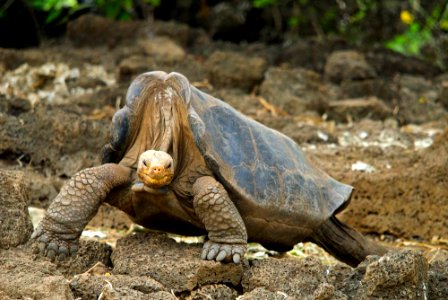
<point>223,252</point>
<point>53,246</point>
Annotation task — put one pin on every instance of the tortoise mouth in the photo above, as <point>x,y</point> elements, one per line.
<point>153,179</point>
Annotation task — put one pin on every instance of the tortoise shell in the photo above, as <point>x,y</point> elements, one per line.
<point>260,166</point>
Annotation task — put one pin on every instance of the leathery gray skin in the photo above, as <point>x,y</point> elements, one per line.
<point>226,230</point>
<point>57,235</point>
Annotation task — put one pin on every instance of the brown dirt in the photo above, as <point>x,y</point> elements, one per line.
<point>15,224</point>
<point>405,197</point>
<point>403,200</point>
<point>151,265</point>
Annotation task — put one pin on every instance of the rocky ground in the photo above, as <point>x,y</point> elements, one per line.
<point>372,119</point>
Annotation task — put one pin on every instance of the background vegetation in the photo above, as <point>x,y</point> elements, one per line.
<point>412,27</point>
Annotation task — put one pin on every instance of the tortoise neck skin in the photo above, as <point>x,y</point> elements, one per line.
<point>159,103</point>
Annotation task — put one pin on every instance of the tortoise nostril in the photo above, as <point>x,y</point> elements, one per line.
<point>157,169</point>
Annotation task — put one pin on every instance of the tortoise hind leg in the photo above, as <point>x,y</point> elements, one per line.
<point>344,242</point>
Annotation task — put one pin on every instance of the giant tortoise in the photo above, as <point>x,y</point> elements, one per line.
<point>182,161</point>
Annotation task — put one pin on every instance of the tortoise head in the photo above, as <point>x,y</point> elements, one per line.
<point>155,168</point>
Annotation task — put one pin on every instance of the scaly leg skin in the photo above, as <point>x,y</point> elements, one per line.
<point>226,230</point>
<point>57,235</point>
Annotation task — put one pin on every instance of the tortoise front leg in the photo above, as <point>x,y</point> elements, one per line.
<point>57,235</point>
<point>226,230</point>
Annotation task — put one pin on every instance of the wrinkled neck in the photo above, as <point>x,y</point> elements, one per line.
<point>160,123</point>
<point>167,124</point>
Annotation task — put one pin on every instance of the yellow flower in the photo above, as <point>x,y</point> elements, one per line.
<point>444,24</point>
<point>406,17</point>
<point>423,100</point>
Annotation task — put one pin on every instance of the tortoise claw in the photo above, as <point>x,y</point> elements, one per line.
<point>223,252</point>
<point>221,255</point>
<point>49,245</point>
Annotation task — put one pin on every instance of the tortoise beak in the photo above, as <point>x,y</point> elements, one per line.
<point>155,175</point>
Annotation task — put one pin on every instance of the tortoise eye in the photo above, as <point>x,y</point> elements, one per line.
<point>145,163</point>
<point>168,165</point>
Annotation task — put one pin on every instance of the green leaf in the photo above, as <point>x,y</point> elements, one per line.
<point>153,3</point>
<point>411,41</point>
<point>293,22</point>
<point>53,15</point>
<point>263,3</point>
